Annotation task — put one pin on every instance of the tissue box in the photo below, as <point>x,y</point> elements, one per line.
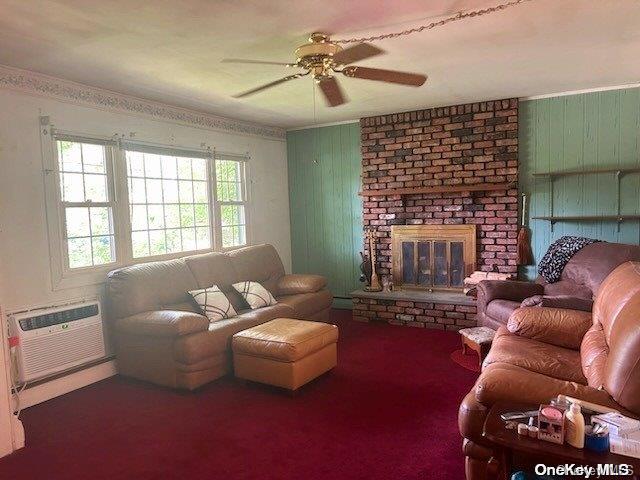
<point>618,424</point>
<point>624,446</point>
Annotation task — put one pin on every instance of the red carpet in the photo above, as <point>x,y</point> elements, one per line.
<point>388,411</point>
<point>468,361</point>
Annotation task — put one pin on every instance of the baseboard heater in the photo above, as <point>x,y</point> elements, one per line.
<point>52,340</point>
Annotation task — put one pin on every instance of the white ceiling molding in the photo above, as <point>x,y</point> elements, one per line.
<point>320,125</point>
<point>584,90</point>
<point>44,85</point>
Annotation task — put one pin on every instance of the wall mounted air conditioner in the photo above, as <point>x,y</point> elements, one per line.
<point>56,339</point>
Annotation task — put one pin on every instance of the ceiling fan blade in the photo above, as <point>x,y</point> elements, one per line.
<point>356,53</point>
<point>332,91</point>
<point>269,85</point>
<point>259,62</point>
<point>390,76</point>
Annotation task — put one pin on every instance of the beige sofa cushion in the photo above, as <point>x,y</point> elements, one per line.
<point>196,347</point>
<point>308,304</point>
<point>260,263</point>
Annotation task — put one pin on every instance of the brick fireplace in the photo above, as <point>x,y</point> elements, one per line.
<point>454,165</point>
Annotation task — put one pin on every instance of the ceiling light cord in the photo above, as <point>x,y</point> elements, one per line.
<point>454,18</point>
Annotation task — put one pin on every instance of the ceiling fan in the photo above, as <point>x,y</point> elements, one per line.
<point>323,58</point>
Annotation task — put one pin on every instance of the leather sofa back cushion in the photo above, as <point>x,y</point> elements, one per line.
<point>617,310</point>
<point>260,263</point>
<point>591,265</point>
<point>217,269</point>
<point>149,286</point>
<point>568,287</point>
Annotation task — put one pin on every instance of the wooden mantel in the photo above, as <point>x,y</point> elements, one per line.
<point>478,187</point>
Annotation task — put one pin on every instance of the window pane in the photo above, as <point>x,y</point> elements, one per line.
<point>202,214</point>
<point>100,221</point>
<point>102,250</point>
<point>199,166</point>
<point>154,191</point>
<point>169,167</point>
<point>69,156</point>
<point>165,220</point>
<point>232,214</point>
<point>184,168</point>
<point>72,187</point>
<point>172,216</point>
<point>227,237</point>
<point>202,238</point>
<point>77,222</point>
<point>174,244</point>
<point>157,245</point>
<point>156,217</point>
<point>139,217</point>
<point>188,239</point>
<point>152,166</point>
<point>135,163</point>
<point>95,187</point>
<point>137,190</point>
<point>186,192</point>
<point>186,216</point>
<point>170,191</point>
<point>93,158</point>
<point>242,235</point>
<point>140,242</point>
<point>200,192</point>
<point>79,252</point>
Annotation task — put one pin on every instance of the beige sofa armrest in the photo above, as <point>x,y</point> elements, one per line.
<point>556,326</point>
<point>300,283</point>
<point>163,323</point>
<point>504,383</point>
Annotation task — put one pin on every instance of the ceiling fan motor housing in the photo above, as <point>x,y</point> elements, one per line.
<point>317,50</point>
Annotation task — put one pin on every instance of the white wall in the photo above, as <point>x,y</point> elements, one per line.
<point>25,277</point>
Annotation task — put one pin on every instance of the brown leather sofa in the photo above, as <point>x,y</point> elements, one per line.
<point>580,280</point>
<point>543,352</point>
<point>161,337</point>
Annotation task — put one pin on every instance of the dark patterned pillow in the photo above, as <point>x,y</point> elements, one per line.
<point>558,255</point>
<point>214,303</point>
<point>255,294</point>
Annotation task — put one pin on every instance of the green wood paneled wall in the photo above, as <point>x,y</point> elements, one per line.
<point>326,211</point>
<point>583,131</point>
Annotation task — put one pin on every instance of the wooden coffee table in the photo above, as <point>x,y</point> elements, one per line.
<point>477,339</point>
<point>525,452</point>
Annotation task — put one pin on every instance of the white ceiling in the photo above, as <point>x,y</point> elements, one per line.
<point>170,50</point>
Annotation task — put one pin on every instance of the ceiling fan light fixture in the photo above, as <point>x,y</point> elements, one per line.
<point>322,59</point>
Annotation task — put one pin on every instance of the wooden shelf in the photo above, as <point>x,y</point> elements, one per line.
<point>591,171</point>
<point>478,187</point>
<point>589,218</point>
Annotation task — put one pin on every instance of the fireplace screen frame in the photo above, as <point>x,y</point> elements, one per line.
<point>465,234</point>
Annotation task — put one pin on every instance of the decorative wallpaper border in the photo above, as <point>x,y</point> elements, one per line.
<point>36,83</point>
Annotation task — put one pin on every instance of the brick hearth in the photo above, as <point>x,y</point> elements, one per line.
<point>451,146</point>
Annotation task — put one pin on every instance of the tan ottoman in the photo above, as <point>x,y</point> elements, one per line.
<point>285,352</point>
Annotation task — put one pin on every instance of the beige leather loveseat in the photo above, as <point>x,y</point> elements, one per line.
<point>161,337</point>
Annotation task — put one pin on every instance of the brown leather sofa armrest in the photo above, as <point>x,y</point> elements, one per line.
<point>556,326</point>
<point>508,290</point>
<point>504,383</point>
<point>163,323</point>
<point>559,301</point>
<point>300,283</point>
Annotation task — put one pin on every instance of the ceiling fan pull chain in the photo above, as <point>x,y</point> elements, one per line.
<point>454,18</point>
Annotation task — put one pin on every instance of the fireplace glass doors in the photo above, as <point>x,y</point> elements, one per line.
<point>432,256</point>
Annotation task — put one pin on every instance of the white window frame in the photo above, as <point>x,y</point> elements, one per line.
<point>62,276</point>
<point>244,162</point>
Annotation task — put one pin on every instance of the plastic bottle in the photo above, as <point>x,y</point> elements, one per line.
<point>574,426</point>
